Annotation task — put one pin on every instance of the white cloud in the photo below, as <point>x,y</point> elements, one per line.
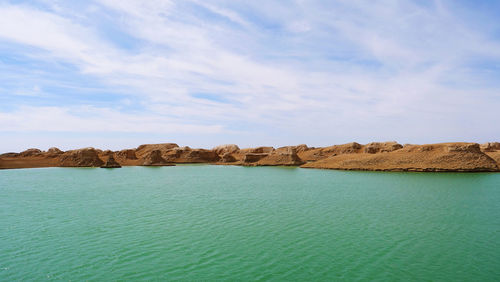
<point>349,65</point>
<point>91,119</point>
<point>59,36</point>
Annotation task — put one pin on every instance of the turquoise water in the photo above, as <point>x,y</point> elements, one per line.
<point>247,223</point>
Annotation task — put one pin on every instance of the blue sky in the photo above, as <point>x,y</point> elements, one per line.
<point>117,74</point>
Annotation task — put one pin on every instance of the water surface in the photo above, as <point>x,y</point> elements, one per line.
<point>265,223</point>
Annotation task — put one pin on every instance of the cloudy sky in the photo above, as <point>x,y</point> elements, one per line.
<point>120,73</point>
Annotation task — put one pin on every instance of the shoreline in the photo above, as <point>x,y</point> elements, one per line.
<point>375,156</point>
<point>439,171</point>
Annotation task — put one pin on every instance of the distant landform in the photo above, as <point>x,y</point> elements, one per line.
<point>375,156</point>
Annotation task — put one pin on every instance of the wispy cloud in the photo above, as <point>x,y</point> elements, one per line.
<point>301,71</point>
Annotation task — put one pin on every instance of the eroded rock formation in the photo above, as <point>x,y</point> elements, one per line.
<point>54,151</point>
<point>111,163</point>
<point>30,152</point>
<point>490,147</point>
<point>86,157</point>
<point>321,153</point>
<point>227,158</point>
<point>228,148</point>
<point>258,150</point>
<point>286,156</point>
<point>188,155</point>
<point>250,158</point>
<point>127,154</point>
<point>145,149</point>
<point>381,147</point>
<point>154,158</point>
<point>389,156</point>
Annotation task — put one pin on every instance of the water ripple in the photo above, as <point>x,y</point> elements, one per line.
<point>213,223</point>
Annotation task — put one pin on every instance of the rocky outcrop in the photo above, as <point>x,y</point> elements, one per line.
<point>86,157</point>
<point>228,148</point>
<point>495,156</point>
<point>30,152</point>
<point>381,147</point>
<point>434,157</point>
<point>301,148</point>
<point>226,153</point>
<point>349,148</point>
<point>188,155</point>
<point>161,146</point>
<point>176,153</point>
<point>9,155</point>
<point>258,150</point>
<point>227,158</point>
<point>250,158</point>
<point>490,147</point>
<point>286,156</point>
<point>199,155</point>
<point>27,160</point>
<point>144,150</point>
<point>54,151</point>
<point>463,147</point>
<point>106,153</point>
<point>111,163</point>
<point>325,152</point>
<point>127,154</point>
<point>154,158</point>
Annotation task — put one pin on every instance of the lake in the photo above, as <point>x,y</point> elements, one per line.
<point>204,222</point>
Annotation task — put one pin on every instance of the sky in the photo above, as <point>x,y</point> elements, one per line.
<point>116,74</point>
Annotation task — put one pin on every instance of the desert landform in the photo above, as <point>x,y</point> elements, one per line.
<point>375,156</point>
